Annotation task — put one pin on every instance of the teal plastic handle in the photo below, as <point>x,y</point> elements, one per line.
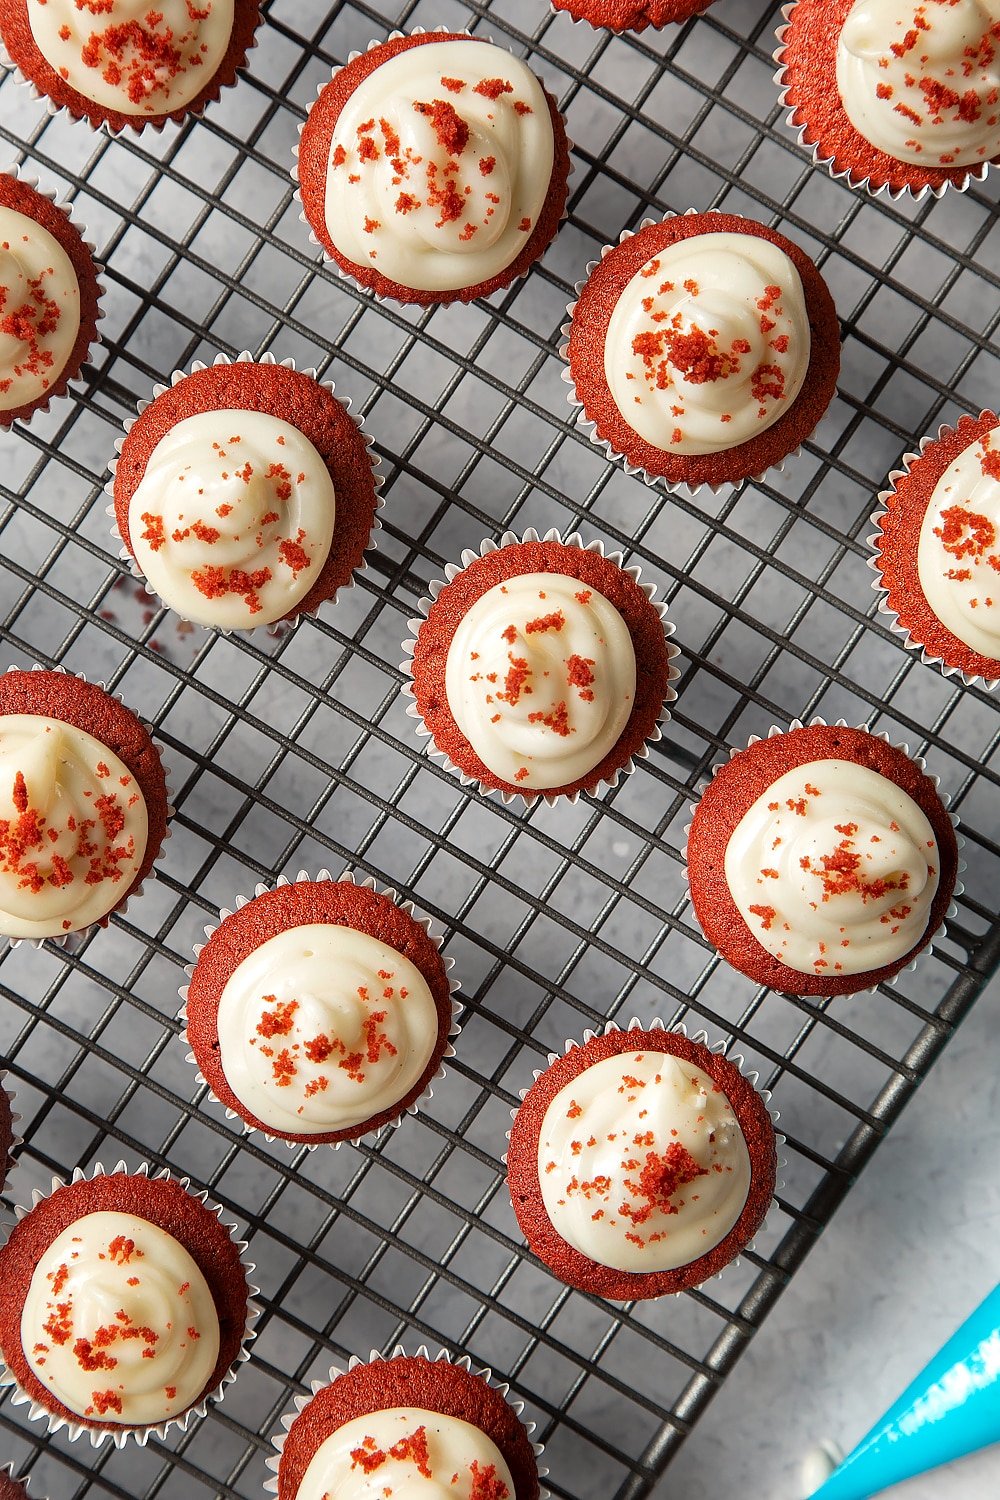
<point>951,1409</point>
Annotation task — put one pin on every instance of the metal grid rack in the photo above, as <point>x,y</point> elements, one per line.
<point>297,754</point>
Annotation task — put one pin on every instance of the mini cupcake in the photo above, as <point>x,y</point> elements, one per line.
<point>703,350</point>
<point>83,804</point>
<point>126,1306</point>
<point>938,549</point>
<point>640,1163</point>
<point>894,95</point>
<point>124,63</point>
<point>320,1011</point>
<point>631,15</point>
<point>49,294</point>
<point>433,168</point>
<point>245,493</point>
<point>404,1426</point>
<point>821,861</point>
<point>541,668</point>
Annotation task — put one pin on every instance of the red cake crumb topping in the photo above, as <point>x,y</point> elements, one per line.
<point>29,321</point>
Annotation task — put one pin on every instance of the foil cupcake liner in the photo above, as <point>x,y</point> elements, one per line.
<point>314,239</point>
<point>700,1038</point>
<point>16,1140</point>
<point>775,732</point>
<point>22,175</point>
<point>287,623</point>
<point>850,175</point>
<point>874,541</point>
<point>134,128</point>
<point>452,570</point>
<point>77,936</point>
<point>140,1435</point>
<point>589,427</point>
<point>454,1029</point>
<point>482,1372</point>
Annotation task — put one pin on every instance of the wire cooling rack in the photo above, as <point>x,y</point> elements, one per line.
<point>297,753</point>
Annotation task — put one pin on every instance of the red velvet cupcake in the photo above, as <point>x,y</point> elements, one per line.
<point>405,1419</point>
<point>124,64</point>
<point>541,667</point>
<point>938,549</point>
<point>631,15</point>
<point>433,168</point>
<point>703,349</point>
<point>893,95</point>
<point>158,1253</point>
<point>84,805</point>
<point>641,1162</point>
<point>245,493</point>
<point>320,1011</point>
<point>821,861</point>
<point>49,293</point>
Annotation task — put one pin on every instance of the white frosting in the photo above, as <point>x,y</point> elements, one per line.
<point>921,81</point>
<point>233,519</point>
<point>540,679</point>
<point>709,342</point>
<point>132,56</point>
<point>39,309</point>
<point>958,553</point>
<point>409,1454</point>
<point>440,214</point>
<point>642,1163</point>
<point>834,869</point>
<point>119,1323</point>
<point>73,827</point>
<point>323,1027</point>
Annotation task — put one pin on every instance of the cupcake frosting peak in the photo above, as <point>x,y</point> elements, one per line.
<point>439,165</point>
<point>920,79</point>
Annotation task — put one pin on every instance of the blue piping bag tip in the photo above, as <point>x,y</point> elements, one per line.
<point>950,1410</point>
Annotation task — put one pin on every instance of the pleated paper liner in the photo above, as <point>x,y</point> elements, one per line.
<point>286,623</point>
<point>699,1038</point>
<point>120,1436</point>
<point>454,985</point>
<point>76,938</point>
<point>952,910</point>
<point>452,570</point>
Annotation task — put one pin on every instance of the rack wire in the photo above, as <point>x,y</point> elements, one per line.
<point>296,753</point>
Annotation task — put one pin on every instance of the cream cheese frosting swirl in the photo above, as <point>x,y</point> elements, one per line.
<point>39,309</point>
<point>233,519</point>
<point>73,827</point>
<point>642,1162</point>
<point>921,81</point>
<point>133,56</point>
<point>709,343</point>
<point>323,1027</point>
<point>439,165</point>
<point>119,1323</point>
<point>958,551</point>
<point>540,679</point>
<point>834,869</point>
<point>410,1454</point>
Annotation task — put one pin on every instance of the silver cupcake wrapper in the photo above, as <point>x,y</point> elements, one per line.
<point>77,936</point>
<point>16,1140</point>
<point>452,570</point>
<point>16,170</point>
<point>850,175</point>
<point>134,127</point>
<point>701,1038</point>
<point>775,732</point>
<point>481,1372</point>
<point>929,658</point>
<point>286,624</point>
<point>314,239</point>
<point>586,425</point>
<point>454,1029</point>
<point>7,1472</point>
<point>122,1435</point>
